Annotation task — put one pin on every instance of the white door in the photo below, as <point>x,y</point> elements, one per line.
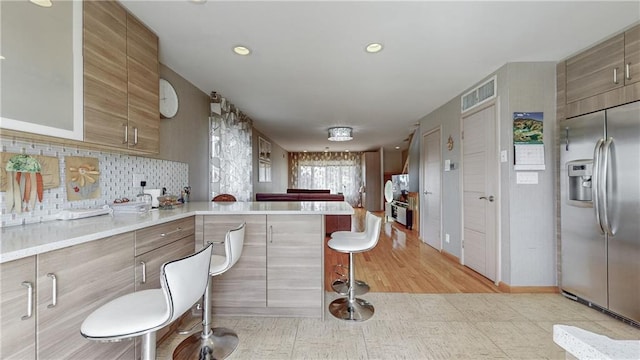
<point>430,218</point>
<point>480,185</point>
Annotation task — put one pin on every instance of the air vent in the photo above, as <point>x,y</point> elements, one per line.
<point>479,95</point>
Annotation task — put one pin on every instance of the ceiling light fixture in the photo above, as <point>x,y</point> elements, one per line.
<point>241,50</point>
<point>397,147</point>
<point>1,57</point>
<point>198,1</point>
<point>373,48</point>
<point>43,3</point>
<point>340,133</point>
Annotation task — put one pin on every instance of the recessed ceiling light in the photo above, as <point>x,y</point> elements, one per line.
<point>397,147</point>
<point>198,1</point>
<point>1,57</point>
<point>346,151</point>
<point>43,3</point>
<point>241,50</point>
<point>373,48</point>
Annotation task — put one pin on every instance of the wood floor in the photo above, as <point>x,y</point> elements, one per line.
<point>402,263</point>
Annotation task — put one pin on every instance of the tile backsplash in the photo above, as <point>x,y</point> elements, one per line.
<point>116,179</point>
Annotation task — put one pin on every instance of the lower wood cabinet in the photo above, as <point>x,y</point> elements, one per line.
<point>244,285</point>
<point>17,309</point>
<point>280,271</point>
<point>294,262</point>
<point>154,246</point>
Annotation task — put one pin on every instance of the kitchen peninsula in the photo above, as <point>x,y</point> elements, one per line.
<point>55,273</point>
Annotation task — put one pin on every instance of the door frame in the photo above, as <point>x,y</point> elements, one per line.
<point>421,185</point>
<point>498,145</point>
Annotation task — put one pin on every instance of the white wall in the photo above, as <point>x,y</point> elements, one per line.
<point>528,212</point>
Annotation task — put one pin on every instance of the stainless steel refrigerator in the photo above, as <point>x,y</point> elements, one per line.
<point>600,209</point>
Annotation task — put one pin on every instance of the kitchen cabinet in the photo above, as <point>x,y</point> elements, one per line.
<point>156,245</point>
<point>17,312</point>
<point>71,283</point>
<point>245,284</point>
<point>596,70</point>
<point>121,91</point>
<point>605,75</point>
<point>280,271</point>
<point>295,262</point>
<point>632,55</point>
<point>41,83</point>
<point>143,87</point>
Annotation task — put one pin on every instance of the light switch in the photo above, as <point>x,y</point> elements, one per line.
<point>447,165</point>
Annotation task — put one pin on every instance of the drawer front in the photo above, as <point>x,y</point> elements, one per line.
<point>156,236</point>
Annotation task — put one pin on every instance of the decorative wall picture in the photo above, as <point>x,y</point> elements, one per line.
<point>82,176</point>
<point>528,140</point>
<point>264,160</point>
<point>49,170</point>
<point>23,174</point>
<point>527,127</point>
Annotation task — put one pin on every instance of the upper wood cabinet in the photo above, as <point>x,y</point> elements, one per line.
<point>632,55</point>
<point>604,76</point>
<point>120,79</point>
<point>597,70</point>
<point>143,73</point>
<point>105,73</point>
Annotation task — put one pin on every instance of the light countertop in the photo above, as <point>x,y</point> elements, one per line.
<point>26,240</point>
<point>583,344</point>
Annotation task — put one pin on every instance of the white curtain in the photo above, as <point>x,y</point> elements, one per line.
<point>231,155</point>
<point>339,172</point>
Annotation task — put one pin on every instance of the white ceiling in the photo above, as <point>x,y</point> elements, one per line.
<point>308,69</point>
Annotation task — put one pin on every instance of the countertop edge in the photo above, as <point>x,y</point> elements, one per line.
<point>145,221</point>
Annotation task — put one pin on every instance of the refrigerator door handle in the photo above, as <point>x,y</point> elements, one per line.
<point>606,224</point>
<point>595,188</point>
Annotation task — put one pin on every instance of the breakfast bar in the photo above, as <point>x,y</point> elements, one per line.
<point>55,273</point>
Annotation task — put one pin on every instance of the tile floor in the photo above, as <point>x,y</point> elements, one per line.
<point>423,326</point>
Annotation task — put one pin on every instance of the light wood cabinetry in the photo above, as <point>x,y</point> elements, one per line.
<point>120,79</point>
<point>156,245</point>
<point>294,262</point>
<point>71,283</point>
<point>596,70</point>
<point>17,311</point>
<point>143,73</point>
<point>280,271</point>
<point>245,284</point>
<point>632,55</point>
<point>605,75</point>
<point>105,73</point>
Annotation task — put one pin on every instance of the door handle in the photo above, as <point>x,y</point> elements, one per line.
<point>490,198</point>
<point>606,224</point>
<point>428,192</point>
<point>54,290</point>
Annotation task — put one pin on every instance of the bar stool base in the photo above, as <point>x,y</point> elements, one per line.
<point>219,345</point>
<point>358,310</point>
<point>342,287</point>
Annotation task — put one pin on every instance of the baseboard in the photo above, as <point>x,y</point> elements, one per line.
<point>450,256</point>
<point>528,289</point>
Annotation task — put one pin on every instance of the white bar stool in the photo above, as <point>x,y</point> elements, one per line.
<point>144,312</point>
<point>216,343</point>
<point>341,285</point>
<point>352,308</point>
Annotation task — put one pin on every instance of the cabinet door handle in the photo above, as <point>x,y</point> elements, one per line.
<point>54,290</point>
<point>144,272</point>
<point>627,71</point>
<point>126,134</point>
<point>615,75</point>
<point>271,234</point>
<point>135,136</point>
<point>29,287</point>
<point>171,232</point>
